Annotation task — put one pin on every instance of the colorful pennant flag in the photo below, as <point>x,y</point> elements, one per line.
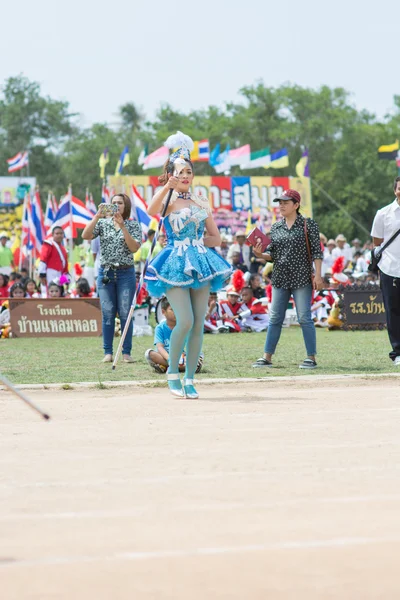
<point>388,152</point>
<point>103,161</point>
<point>124,160</point>
<point>258,159</point>
<point>156,159</point>
<point>17,162</point>
<point>278,160</point>
<point>201,151</point>
<point>240,156</point>
<point>303,166</point>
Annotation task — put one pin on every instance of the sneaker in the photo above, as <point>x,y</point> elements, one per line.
<point>223,329</point>
<point>107,358</point>
<point>127,358</point>
<point>200,363</point>
<point>157,368</point>
<point>396,361</point>
<point>322,324</point>
<point>308,363</point>
<point>262,362</point>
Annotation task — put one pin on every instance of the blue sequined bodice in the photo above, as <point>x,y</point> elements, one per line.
<point>186,262</point>
<point>188,222</point>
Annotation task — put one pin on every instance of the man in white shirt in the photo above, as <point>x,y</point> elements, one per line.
<point>342,249</point>
<point>386,223</point>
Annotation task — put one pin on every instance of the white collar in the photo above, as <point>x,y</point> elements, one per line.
<point>395,205</point>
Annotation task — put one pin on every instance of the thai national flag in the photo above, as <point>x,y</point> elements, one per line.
<point>28,230</point>
<point>204,150</point>
<point>50,215</point>
<point>18,161</point>
<point>105,194</point>
<point>81,216</point>
<point>72,214</point>
<point>37,221</point>
<point>90,205</point>
<point>139,210</point>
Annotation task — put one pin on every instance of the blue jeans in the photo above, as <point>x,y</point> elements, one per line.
<point>280,298</point>
<point>116,296</point>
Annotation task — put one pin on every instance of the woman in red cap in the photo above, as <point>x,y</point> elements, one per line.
<point>294,246</point>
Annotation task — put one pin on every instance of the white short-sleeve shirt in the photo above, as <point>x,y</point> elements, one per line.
<point>346,252</point>
<point>386,223</point>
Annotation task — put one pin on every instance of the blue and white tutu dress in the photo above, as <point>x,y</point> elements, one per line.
<point>185,262</point>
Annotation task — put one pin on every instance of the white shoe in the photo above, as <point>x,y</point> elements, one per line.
<point>396,361</point>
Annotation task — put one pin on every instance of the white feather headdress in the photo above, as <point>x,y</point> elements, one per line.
<point>179,140</point>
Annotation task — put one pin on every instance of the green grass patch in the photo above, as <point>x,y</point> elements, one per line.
<point>70,360</point>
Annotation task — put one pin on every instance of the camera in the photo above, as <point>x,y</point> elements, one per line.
<point>108,210</point>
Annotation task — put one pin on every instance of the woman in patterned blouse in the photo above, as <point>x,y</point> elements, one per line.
<point>292,275</point>
<point>120,238</point>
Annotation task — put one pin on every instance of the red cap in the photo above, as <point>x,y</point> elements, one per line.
<point>289,195</point>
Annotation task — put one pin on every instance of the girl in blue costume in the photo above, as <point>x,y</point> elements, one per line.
<point>189,267</point>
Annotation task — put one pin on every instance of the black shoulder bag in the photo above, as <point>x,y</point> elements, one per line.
<point>373,266</point>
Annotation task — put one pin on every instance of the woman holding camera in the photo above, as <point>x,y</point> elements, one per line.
<point>120,238</point>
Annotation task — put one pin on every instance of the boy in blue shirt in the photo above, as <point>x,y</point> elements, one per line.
<point>158,359</point>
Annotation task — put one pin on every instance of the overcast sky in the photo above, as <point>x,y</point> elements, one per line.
<point>100,54</point>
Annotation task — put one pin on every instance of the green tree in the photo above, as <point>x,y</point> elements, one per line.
<point>30,121</point>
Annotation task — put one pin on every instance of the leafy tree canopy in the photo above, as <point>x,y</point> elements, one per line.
<point>342,142</point>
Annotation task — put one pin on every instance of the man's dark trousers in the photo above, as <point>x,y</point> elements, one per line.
<point>391,297</point>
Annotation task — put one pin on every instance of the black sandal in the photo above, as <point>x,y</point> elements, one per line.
<point>262,362</point>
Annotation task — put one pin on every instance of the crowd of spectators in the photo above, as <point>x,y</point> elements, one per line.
<point>241,307</point>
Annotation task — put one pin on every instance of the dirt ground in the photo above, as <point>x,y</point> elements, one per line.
<point>256,491</point>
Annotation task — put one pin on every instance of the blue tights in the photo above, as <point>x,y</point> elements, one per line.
<point>190,307</point>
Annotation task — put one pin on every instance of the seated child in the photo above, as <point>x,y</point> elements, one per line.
<point>230,309</point>
<point>213,322</point>
<point>159,359</point>
<point>82,289</point>
<point>319,310</point>
<point>255,282</point>
<point>335,318</point>
<point>253,315</point>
